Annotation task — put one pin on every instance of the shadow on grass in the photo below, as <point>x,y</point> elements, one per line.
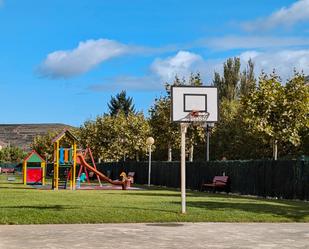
<point>43,207</point>
<point>188,194</point>
<point>21,186</point>
<point>148,194</point>
<point>293,211</point>
<point>147,209</point>
<point>65,207</point>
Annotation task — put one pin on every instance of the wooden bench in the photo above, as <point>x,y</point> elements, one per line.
<point>218,183</point>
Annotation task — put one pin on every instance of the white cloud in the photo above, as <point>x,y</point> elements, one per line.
<point>252,42</point>
<point>163,70</point>
<point>182,64</point>
<point>286,16</point>
<point>87,55</point>
<point>142,83</point>
<point>284,62</point>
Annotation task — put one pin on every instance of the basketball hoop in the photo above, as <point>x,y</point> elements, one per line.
<point>198,118</point>
<point>196,105</point>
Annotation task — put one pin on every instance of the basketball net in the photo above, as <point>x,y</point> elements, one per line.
<point>198,118</point>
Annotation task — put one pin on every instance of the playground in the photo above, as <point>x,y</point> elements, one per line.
<point>65,163</point>
<point>73,191</point>
<point>61,195</point>
<point>68,196</point>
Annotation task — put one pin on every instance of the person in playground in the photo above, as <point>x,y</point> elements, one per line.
<point>83,177</point>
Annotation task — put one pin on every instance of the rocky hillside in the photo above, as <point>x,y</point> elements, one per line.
<point>22,134</point>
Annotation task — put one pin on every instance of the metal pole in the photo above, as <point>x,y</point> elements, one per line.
<point>207,145</point>
<point>183,167</point>
<point>149,166</point>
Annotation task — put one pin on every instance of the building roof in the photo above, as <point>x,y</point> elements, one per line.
<point>34,157</point>
<point>64,133</point>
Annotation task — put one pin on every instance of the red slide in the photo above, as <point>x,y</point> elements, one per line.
<point>81,160</point>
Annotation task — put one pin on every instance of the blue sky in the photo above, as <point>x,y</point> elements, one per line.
<point>61,61</point>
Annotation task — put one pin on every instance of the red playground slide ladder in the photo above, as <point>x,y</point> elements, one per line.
<point>81,160</point>
<point>88,152</point>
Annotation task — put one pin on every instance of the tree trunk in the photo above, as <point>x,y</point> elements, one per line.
<point>191,153</point>
<point>137,156</point>
<point>169,153</point>
<point>275,150</point>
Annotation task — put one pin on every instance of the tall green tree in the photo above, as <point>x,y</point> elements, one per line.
<point>233,139</point>
<point>177,82</point>
<point>228,85</point>
<point>121,103</point>
<point>296,107</point>
<point>11,154</point>
<point>195,79</point>
<point>43,145</point>
<point>116,138</point>
<point>280,112</point>
<point>247,79</point>
<point>165,133</point>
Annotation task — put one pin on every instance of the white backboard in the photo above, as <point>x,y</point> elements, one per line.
<point>186,99</point>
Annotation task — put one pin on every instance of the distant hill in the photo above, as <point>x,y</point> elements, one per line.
<point>22,135</point>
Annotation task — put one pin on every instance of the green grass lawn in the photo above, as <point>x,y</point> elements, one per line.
<point>32,206</point>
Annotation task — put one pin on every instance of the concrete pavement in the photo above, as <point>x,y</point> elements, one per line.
<point>158,235</point>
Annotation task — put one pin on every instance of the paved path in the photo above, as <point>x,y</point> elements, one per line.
<point>168,235</point>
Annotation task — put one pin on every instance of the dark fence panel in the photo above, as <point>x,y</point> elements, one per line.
<point>283,178</point>
<point>17,166</point>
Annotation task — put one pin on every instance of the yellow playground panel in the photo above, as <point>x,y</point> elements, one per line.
<point>65,158</point>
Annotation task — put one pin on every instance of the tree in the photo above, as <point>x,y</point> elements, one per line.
<point>11,154</point>
<point>88,133</point>
<point>121,103</point>
<point>296,105</point>
<point>43,145</point>
<point>194,80</point>
<point>139,132</point>
<point>228,84</point>
<point>115,138</point>
<point>233,139</point>
<point>165,132</point>
<point>247,80</point>
<point>277,111</point>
